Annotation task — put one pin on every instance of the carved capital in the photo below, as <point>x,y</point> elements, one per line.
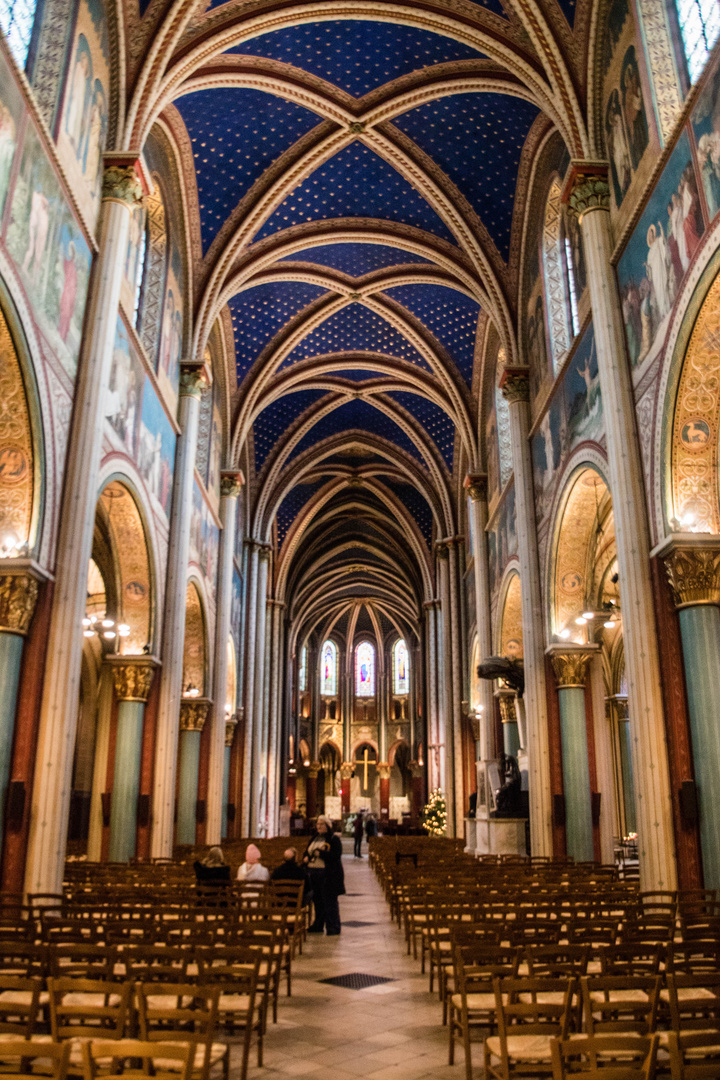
<point>694,575</point>
<point>515,384</point>
<point>230,726</point>
<point>570,667</point>
<point>441,549</point>
<point>416,769</point>
<point>587,187</point>
<point>264,552</point>
<point>313,769</point>
<point>193,713</point>
<point>506,704</point>
<point>195,377</point>
<point>18,597</point>
<point>132,678</point>
<point>231,484</point>
<point>383,769</point>
<point>346,770</point>
<point>474,721</point>
<point>476,486</point>
<point>120,183</point>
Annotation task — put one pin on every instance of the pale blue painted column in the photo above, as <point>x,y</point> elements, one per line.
<point>508,716</point>
<point>570,670</point>
<point>226,792</point>
<point>132,679</point>
<point>18,596</point>
<point>193,713</point>
<point>511,739</point>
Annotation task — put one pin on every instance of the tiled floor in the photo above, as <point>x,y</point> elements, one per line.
<point>392,1031</point>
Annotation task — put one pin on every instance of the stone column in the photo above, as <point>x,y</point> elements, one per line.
<point>511,736</point>
<point>277,608</point>
<point>121,191</point>
<point>18,597</point>
<point>516,388</point>
<point>693,568</point>
<point>346,771</point>
<point>444,661</point>
<point>384,774</point>
<point>311,789</point>
<point>260,718</point>
<point>132,679</point>
<point>456,636</point>
<point>570,666</point>
<point>589,196</point>
<point>230,486</point>
<point>476,487</point>
<point>194,378</point>
<point>250,637</point>
<point>434,738</point>
<point>230,726</point>
<point>193,714</point>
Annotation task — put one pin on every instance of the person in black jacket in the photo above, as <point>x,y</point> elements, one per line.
<point>291,871</point>
<point>213,868</point>
<point>323,858</point>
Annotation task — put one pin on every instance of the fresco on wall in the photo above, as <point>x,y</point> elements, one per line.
<point>171,339</point>
<point>659,253</point>
<point>213,475</point>
<point>625,124</point>
<point>204,537</point>
<point>133,257</point>
<point>50,253</point>
<point>11,111</point>
<point>124,395</point>
<point>236,605</point>
<point>706,126</point>
<point>493,453</point>
<point>572,232</point>
<point>535,334</point>
<point>502,537</point>
<point>547,451</point>
<point>84,121</point>
<point>156,452</point>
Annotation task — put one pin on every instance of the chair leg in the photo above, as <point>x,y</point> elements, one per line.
<point>466,1042</point>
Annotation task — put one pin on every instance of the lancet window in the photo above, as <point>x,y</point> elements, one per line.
<point>302,673</point>
<point>560,291</point>
<point>502,415</point>
<point>699,29</point>
<point>328,669</point>
<point>401,668</point>
<point>17,18</point>
<point>364,670</point>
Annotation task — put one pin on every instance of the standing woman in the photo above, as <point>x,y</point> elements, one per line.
<point>323,858</point>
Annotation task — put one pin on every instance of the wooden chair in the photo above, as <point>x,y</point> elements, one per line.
<point>620,1004</point>
<point>529,1016</point>
<point>235,971</point>
<point>605,1057</point>
<point>18,1055</point>
<point>472,1005</point>
<point>163,1061</point>
<point>83,1009</point>
<point>177,1012</point>
<point>81,960</point>
<point>19,1007</point>
<point>694,1055</point>
<point>694,1001</point>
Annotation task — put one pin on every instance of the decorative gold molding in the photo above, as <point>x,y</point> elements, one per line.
<point>230,727</point>
<point>475,485</point>
<point>570,668</point>
<point>18,597</point>
<point>193,714</point>
<point>506,704</point>
<point>383,768</point>
<point>195,376</point>
<point>587,187</point>
<point>313,769</point>
<point>694,575</point>
<point>515,384</point>
<point>231,484</point>
<point>346,770</point>
<point>132,678</point>
<point>121,184</point>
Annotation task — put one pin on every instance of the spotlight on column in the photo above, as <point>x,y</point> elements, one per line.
<point>109,634</point>
<point>588,615</point>
<point>610,624</point>
<point>564,634</point>
<point>123,629</point>
<point>581,621</point>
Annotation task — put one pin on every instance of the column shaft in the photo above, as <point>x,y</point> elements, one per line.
<point>478,510</point>
<point>456,636</point>
<point>447,747</point>
<point>225,792</point>
<point>188,786</point>
<point>576,773</point>
<point>126,782</point>
<point>11,650</point>
<point>259,718</point>
<point>59,709</point>
<point>250,638</point>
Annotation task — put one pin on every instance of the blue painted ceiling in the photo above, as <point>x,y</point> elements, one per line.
<point>292,504</point>
<point>273,421</point>
<point>236,134</point>
<point>355,327</point>
<point>355,259</point>
<point>357,414</point>
<point>353,55</point>
<point>436,422</point>
<point>448,314</point>
<point>418,506</point>
<point>259,314</point>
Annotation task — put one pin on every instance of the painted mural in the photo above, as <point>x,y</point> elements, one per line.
<point>171,338</point>
<point>124,396</point>
<point>574,415</point>
<point>156,451</point>
<point>82,132</point>
<point>626,128</point>
<point>11,112</point>
<point>493,454</point>
<point>133,260</point>
<point>536,335</point>
<point>204,537</point>
<point>50,252</point>
<point>502,537</point>
<point>659,253</point>
<point>213,472</point>
<point>236,606</point>
<point>706,128</point>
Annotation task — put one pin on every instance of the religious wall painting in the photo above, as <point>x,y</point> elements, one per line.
<point>204,537</point>
<point>659,253</point>
<point>83,127</point>
<point>171,336</point>
<point>581,391</point>
<point>536,335</point>
<point>156,451</point>
<point>365,670</point>
<point>215,449</point>
<point>17,465</point>
<point>504,533</point>
<point>11,113</point>
<point>328,669</point>
<point>134,261</point>
<point>627,130</point>
<point>547,449</point>
<point>493,454</point>
<point>236,606</point>
<point>123,403</point>
<point>401,669</point>
<point>705,120</point>
<point>50,253</point>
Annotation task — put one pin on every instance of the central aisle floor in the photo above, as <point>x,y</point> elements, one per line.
<point>392,1031</point>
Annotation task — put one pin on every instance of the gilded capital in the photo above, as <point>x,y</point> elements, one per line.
<point>313,769</point>
<point>231,484</point>
<point>230,726</point>
<point>515,384</point>
<point>193,714</point>
<point>476,486</point>
<point>120,183</point>
<point>195,377</point>
<point>570,667</point>
<point>346,770</point>
<point>506,704</point>
<point>383,769</point>
<point>694,575</point>
<point>587,187</point>
<point>132,678</point>
<point>18,597</point>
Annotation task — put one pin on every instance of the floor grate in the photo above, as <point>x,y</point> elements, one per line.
<point>356,980</point>
<point>356,922</point>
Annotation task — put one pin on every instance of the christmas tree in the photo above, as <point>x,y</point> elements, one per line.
<point>434,814</point>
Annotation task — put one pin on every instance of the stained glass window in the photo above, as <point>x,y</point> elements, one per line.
<point>559,280</point>
<point>364,670</point>
<point>699,28</point>
<point>502,416</point>
<point>16,21</point>
<point>302,674</point>
<point>328,669</point>
<point>401,668</point>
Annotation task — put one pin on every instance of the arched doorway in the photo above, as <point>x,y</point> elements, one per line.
<point>328,782</point>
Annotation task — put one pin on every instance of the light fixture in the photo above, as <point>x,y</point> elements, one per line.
<point>106,627</point>
<point>588,615</point>
<point>123,629</point>
<point>610,624</point>
<point>564,634</point>
<point>88,633</point>
<point>109,634</point>
<point>87,622</point>
<point>688,519</point>
<point>11,546</point>
<point>581,620</point>
<point>191,690</point>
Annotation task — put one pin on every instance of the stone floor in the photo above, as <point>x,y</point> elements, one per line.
<point>391,1031</point>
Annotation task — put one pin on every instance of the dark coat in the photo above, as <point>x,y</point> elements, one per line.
<point>334,873</point>
<point>217,874</point>
<point>358,827</point>
<point>370,828</point>
<point>290,871</point>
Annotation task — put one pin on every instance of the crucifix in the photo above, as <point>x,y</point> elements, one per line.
<point>365,761</point>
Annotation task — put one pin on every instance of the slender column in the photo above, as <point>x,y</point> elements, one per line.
<point>384,774</point>
<point>250,638</point>
<point>132,679</point>
<point>18,597</point>
<point>570,667</point>
<point>516,388</point>
<point>230,726</point>
<point>432,748</point>
<point>589,197</point>
<point>61,686</point>
<point>230,485</point>
<point>511,736</point>
<point>105,703</point>
<point>346,771</point>
<point>456,636</point>
<point>693,567</point>
<point>382,707</point>
<point>444,659</point>
<point>311,789</point>
<point>193,714</point>
<point>602,735</point>
<point>476,487</point>
<point>194,377</point>
<point>260,719</point>
<point>275,675</point>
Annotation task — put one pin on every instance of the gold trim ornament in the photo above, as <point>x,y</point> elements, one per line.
<point>694,575</point>
<point>231,484</point>
<point>475,485</point>
<point>515,384</point>
<point>195,377</point>
<point>587,187</point>
<point>570,668</point>
<point>121,184</point>
<point>18,597</point>
<point>193,714</point>
<point>132,679</point>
